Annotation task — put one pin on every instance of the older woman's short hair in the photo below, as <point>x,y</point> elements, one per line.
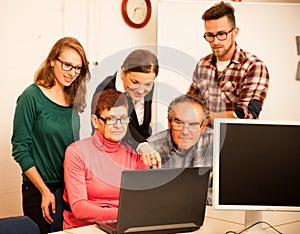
<point>107,99</point>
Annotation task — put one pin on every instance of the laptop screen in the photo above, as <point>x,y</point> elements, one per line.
<point>163,200</point>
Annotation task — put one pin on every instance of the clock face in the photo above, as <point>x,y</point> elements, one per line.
<point>137,10</point>
<point>136,13</point>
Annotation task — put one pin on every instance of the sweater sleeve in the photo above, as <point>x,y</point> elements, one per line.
<point>24,118</point>
<point>77,195</point>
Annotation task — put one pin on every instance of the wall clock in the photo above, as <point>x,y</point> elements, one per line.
<point>136,13</point>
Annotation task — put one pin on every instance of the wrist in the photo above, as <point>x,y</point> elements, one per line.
<point>234,115</point>
<point>140,146</point>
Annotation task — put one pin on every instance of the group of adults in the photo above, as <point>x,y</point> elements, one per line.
<point>79,179</point>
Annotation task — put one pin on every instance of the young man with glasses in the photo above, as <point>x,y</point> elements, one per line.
<point>187,142</point>
<point>233,81</point>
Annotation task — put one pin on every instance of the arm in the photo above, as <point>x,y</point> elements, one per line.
<point>226,114</point>
<point>133,137</point>
<point>48,199</point>
<point>253,81</point>
<point>24,119</point>
<point>254,91</point>
<point>194,89</point>
<point>149,155</point>
<point>136,136</point>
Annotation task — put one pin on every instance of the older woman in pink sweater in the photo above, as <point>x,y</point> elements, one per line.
<point>93,166</point>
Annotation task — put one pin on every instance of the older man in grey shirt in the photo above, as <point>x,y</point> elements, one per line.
<point>187,142</point>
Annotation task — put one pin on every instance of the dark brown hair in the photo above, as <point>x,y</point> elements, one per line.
<point>141,61</point>
<point>218,11</point>
<point>77,90</point>
<point>107,99</point>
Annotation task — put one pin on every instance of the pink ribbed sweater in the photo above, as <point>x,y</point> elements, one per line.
<point>92,174</point>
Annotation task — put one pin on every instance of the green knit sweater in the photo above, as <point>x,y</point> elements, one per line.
<point>42,130</point>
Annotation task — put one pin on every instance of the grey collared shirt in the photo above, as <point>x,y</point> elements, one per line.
<point>200,155</point>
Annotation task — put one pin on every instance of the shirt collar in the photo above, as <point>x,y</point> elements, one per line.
<point>105,145</point>
<point>236,54</point>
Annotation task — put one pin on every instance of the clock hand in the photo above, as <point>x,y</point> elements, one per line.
<point>135,9</point>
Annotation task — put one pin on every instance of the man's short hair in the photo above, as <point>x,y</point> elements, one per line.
<point>108,99</point>
<point>199,99</point>
<point>218,11</point>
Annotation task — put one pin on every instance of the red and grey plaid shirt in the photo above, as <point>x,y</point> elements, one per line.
<point>246,78</point>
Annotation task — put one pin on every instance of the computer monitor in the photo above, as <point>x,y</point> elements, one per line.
<point>256,166</point>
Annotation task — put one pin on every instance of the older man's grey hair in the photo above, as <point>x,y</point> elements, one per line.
<point>189,98</point>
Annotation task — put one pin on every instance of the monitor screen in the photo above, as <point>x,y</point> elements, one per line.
<point>256,165</point>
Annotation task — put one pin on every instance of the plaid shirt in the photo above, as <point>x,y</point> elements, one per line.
<point>246,78</point>
<point>199,155</point>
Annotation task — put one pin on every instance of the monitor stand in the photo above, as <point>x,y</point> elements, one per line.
<point>251,217</point>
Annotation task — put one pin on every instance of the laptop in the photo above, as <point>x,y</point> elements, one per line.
<point>169,200</point>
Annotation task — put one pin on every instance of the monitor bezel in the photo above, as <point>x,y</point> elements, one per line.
<point>216,150</point>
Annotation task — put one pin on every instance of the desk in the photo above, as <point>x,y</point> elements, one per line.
<point>91,229</point>
<point>211,225</point>
<point>220,221</point>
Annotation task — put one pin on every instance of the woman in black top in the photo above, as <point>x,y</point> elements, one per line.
<point>136,78</point>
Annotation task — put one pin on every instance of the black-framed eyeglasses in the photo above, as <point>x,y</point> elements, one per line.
<point>113,120</point>
<point>177,124</point>
<point>68,67</point>
<point>222,36</point>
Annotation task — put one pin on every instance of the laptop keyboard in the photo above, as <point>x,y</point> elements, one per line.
<point>112,224</point>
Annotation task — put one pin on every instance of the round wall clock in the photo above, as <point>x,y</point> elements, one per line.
<point>136,13</point>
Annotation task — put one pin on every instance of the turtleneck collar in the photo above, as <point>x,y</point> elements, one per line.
<point>104,144</point>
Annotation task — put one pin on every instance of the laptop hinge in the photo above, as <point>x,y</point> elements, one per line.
<point>160,227</point>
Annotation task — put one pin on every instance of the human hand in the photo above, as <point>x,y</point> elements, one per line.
<point>149,156</point>
<point>48,206</point>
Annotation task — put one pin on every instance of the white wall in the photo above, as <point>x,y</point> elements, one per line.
<point>262,32</point>
<point>25,38</point>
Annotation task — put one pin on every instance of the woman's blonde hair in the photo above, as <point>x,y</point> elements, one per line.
<point>76,92</point>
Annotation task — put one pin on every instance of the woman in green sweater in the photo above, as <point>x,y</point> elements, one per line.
<point>46,121</point>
